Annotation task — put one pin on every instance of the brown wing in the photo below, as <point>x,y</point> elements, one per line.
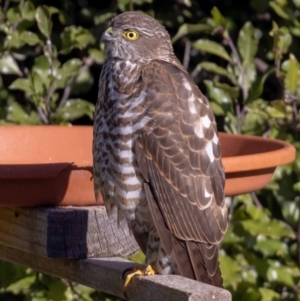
<point>179,156</point>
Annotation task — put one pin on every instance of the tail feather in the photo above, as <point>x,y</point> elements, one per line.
<point>194,260</point>
<point>204,258</point>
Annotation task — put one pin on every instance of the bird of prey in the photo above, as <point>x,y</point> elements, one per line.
<point>157,153</point>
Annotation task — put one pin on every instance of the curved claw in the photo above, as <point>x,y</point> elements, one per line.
<point>129,273</point>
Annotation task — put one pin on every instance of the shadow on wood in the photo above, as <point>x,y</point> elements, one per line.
<point>65,232</point>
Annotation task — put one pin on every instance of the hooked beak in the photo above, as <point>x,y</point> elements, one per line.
<point>107,35</point>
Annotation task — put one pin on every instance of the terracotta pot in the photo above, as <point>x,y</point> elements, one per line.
<point>52,165</point>
<point>250,161</point>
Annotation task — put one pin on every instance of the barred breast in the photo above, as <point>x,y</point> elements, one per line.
<point>121,113</point>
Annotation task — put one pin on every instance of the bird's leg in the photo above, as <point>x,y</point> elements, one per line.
<point>130,273</point>
<point>151,258</point>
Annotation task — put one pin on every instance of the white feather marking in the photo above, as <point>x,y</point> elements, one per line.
<point>134,194</point>
<point>215,138</point>
<point>132,181</point>
<point>206,122</point>
<point>207,194</point>
<point>129,216</point>
<point>138,100</point>
<point>191,104</point>
<point>186,84</point>
<point>124,130</point>
<point>209,151</point>
<point>129,169</point>
<point>123,153</point>
<point>166,271</point>
<point>198,129</point>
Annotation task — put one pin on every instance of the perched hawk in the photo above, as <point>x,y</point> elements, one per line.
<point>156,151</point>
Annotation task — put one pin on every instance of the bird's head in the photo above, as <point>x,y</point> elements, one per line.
<point>136,36</point>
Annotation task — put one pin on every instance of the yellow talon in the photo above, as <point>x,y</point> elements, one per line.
<point>131,274</point>
<point>149,270</point>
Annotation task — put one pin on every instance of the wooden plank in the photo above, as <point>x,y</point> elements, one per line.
<point>105,275</point>
<point>65,232</point>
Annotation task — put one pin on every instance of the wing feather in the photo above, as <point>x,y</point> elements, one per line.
<point>179,155</point>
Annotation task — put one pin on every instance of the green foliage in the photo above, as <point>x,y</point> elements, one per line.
<point>243,55</point>
<point>40,72</point>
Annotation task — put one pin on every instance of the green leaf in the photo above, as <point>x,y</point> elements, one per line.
<point>270,247</point>
<point>186,29</point>
<point>97,55</point>
<point>28,11</point>
<point>217,16</point>
<point>217,109</point>
<point>247,43</point>
<point>13,14</point>
<point>71,66</point>
<point>18,115</point>
<point>268,294</point>
<point>21,84</point>
<point>274,229</point>
<point>231,272</point>
<point>56,291</point>
<point>220,95</point>
<point>13,40</point>
<point>42,67</point>
<point>212,67</point>
<point>297,3</point>
<point>68,72</point>
<point>220,99</point>
<point>292,78</point>
<point>75,37</point>
<point>8,65</point>
<point>277,109</point>
<point>10,273</point>
<point>39,85</point>
<point>282,40</point>
<point>74,109</point>
<point>232,91</point>
<point>21,285</point>
<point>30,38</point>
<point>212,47</point>
<point>257,87</point>
<point>104,17</point>
<point>279,10</point>
<point>139,257</point>
<point>43,19</point>
<point>247,77</point>
<point>280,274</point>
<point>52,10</point>
<point>83,82</point>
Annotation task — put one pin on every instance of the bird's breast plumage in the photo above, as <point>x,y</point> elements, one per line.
<point>121,114</point>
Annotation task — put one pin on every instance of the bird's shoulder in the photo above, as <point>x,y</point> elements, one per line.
<point>156,69</point>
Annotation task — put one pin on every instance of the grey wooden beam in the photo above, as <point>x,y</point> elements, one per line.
<point>105,274</point>
<point>65,232</point>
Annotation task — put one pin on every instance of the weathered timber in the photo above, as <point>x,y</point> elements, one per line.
<point>65,232</point>
<point>105,275</point>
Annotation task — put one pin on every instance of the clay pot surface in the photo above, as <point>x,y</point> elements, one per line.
<point>250,161</point>
<point>52,165</point>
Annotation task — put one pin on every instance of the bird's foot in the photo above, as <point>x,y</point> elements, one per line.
<point>133,272</point>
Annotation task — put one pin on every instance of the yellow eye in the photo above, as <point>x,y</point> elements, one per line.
<point>131,35</point>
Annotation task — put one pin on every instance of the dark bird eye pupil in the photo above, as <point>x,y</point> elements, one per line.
<point>131,35</point>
